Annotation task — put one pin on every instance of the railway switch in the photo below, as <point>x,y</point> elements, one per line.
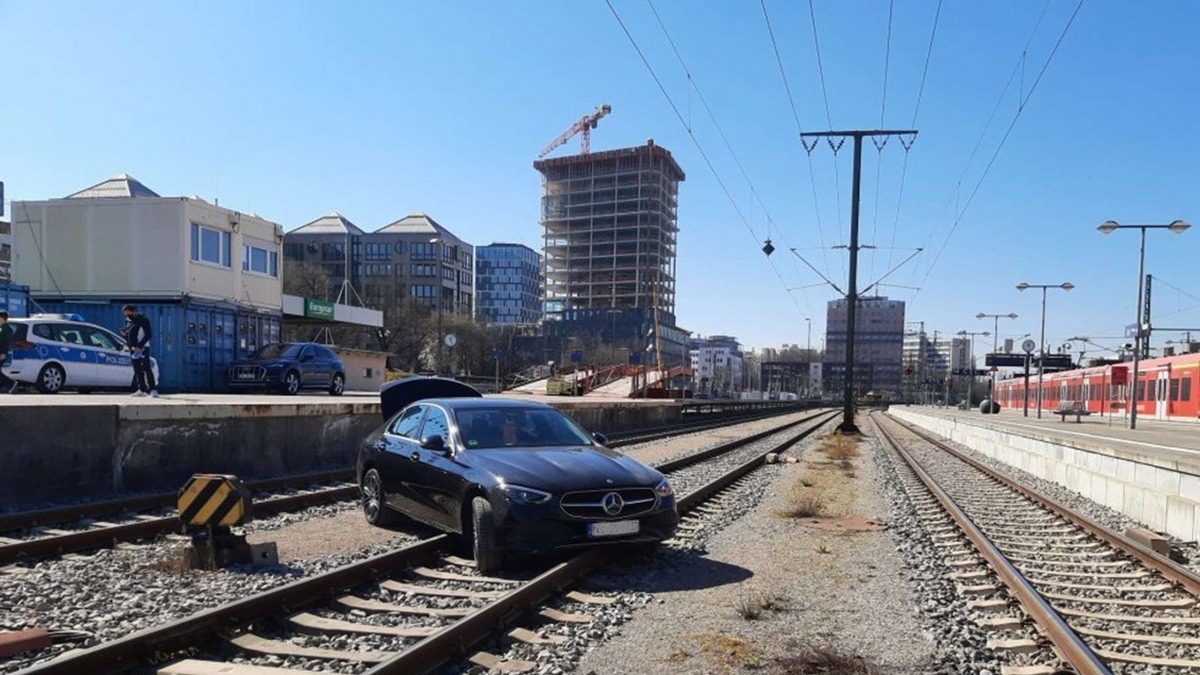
<point>209,505</point>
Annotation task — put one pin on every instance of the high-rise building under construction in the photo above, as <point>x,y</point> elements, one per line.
<point>610,222</point>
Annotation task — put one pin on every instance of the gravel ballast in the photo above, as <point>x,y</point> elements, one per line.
<point>811,587</point>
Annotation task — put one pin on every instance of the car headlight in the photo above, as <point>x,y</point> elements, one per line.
<point>664,489</point>
<point>523,495</point>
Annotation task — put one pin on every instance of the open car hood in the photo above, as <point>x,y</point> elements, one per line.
<point>395,395</point>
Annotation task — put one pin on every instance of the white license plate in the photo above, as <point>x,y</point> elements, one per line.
<point>615,528</point>
<point>246,376</point>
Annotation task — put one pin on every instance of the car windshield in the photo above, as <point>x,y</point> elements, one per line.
<point>281,350</point>
<point>482,428</point>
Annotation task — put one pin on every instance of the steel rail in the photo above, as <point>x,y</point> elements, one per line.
<point>618,440</point>
<point>20,520</point>
<point>703,455</point>
<point>1068,644</point>
<point>105,536</point>
<point>149,645</point>
<point>152,644</point>
<point>1173,571</point>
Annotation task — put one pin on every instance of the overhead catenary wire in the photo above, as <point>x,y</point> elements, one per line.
<point>837,179</point>
<point>887,54</point>
<point>812,175</point>
<point>1008,132</point>
<point>691,134</point>
<point>960,210</point>
<point>916,109</point>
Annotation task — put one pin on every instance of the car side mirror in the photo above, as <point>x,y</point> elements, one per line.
<point>600,438</point>
<point>434,443</point>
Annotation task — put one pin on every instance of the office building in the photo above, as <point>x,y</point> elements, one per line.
<point>508,284</point>
<point>878,346</point>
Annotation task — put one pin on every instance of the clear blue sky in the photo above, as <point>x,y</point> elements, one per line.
<point>377,109</point>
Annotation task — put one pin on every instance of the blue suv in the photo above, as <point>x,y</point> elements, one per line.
<point>289,367</point>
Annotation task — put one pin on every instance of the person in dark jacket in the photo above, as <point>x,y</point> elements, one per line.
<point>137,333</point>
<point>6,340</point>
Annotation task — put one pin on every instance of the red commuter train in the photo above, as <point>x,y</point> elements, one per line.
<point>1169,389</point>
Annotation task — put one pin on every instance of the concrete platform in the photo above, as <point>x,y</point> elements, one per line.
<point>73,446</point>
<point>1151,473</point>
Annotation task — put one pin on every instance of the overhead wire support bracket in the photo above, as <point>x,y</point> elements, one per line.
<point>847,426</point>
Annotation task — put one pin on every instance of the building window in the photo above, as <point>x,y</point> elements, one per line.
<point>257,258</point>
<point>378,270</point>
<point>333,252</point>
<point>378,251</point>
<point>211,246</point>
<point>424,291</point>
<point>423,270</point>
<point>424,252</point>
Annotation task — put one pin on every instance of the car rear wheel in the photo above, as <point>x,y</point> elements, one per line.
<point>483,536</point>
<point>374,503</point>
<point>338,385</point>
<point>291,383</point>
<point>51,379</point>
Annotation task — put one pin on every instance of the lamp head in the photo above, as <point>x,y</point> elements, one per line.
<point>1108,226</point>
<point>1066,285</point>
<point>1012,315</point>
<point>980,315</point>
<point>1179,227</point>
<point>1022,286</point>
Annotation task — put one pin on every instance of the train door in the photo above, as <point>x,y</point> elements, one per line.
<point>1163,381</point>
<point>1085,393</point>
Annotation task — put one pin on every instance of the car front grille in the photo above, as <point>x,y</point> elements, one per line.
<point>247,373</point>
<point>589,504</point>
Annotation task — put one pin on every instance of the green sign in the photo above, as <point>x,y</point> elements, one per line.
<point>318,309</point>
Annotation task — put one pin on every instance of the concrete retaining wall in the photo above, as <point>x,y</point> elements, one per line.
<point>83,450</point>
<point>1162,493</point>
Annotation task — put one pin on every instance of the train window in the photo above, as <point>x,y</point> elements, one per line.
<point>1185,393</point>
<point>1175,389</point>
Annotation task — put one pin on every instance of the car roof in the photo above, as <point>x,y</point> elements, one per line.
<point>490,403</point>
<point>72,322</point>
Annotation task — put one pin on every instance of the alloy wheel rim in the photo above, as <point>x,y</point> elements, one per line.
<point>52,379</point>
<point>293,383</point>
<point>371,496</point>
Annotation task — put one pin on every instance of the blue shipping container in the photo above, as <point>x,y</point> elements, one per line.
<point>16,297</point>
<point>193,341</point>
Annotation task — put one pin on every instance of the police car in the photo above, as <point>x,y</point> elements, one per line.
<point>57,351</point>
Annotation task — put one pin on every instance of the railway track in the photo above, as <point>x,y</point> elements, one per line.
<point>412,609</point>
<point>1054,589</point>
<point>33,535</point>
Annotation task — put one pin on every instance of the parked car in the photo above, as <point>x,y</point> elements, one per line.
<point>62,351</point>
<point>507,476</point>
<point>289,367</point>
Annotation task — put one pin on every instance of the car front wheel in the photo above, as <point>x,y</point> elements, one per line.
<point>487,551</point>
<point>374,503</point>
<point>338,385</point>
<point>291,383</point>
<point>51,379</point>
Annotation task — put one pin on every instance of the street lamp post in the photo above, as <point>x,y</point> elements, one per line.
<point>995,343</point>
<point>971,359</point>
<point>1108,227</point>
<point>1066,286</point>
<point>437,370</point>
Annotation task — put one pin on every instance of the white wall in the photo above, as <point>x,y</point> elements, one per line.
<point>100,247</point>
<point>137,247</point>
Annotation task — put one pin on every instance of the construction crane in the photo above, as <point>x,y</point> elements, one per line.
<point>583,127</point>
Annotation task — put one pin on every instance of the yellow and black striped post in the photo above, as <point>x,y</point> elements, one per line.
<point>213,500</point>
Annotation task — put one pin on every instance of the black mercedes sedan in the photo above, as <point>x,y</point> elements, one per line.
<point>506,476</point>
<point>289,367</point>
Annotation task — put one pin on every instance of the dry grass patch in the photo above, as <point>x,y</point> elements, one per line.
<point>176,561</point>
<point>824,660</point>
<point>803,505</point>
<point>752,603</point>
<point>839,447</point>
<point>729,652</point>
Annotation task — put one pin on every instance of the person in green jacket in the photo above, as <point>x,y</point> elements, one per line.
<point>6,340</point>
